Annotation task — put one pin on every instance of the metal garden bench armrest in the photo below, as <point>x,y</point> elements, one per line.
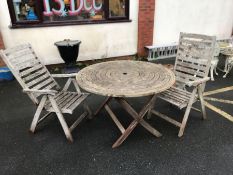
<point>73,75</point>
<point>197,82</point>
<point>48,92</point>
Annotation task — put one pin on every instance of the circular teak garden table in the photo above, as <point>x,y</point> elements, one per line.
<point>122,79</point>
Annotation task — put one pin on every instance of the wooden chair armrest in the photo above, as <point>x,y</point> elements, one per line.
<point>48,92</point>
<point>197,82</point>
<point>73,75</point>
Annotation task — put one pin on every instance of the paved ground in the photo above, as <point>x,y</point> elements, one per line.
<point>205,148</point>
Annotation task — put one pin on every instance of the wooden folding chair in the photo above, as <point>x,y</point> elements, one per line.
<point>43,90</point>
<point>192,65</point>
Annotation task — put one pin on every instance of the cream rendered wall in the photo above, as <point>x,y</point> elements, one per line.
<point>213,17</point>
<point>98,40</point>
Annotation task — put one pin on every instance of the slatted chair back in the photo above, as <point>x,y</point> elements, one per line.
<point>28,69</point>
<point>194,56</point>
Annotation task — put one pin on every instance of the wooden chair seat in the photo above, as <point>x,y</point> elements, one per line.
<point>176,96</point>
<point>66,101</point>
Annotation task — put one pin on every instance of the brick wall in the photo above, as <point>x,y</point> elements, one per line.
<point>145,25</point>
<point>1,47</point>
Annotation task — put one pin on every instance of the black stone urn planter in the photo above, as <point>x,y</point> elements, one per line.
<point>69,51</point>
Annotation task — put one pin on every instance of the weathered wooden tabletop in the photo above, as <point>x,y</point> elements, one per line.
<point>125,78</point>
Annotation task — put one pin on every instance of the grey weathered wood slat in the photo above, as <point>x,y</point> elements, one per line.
<point>44,83</point>
<point>197,62</point>
<point>176,95</point>
<point>190,41</point>
<point>68,102</point>
<point>188,65</point>
<point>190,53</point>
<point>192,65</point>
<point>180,91</point>
<point>190,71</point>
<point>169,100</point>
<point>30,70</point>
<point>71,101</point>
<point>16,48</point>
<point>39,80</point>
<point>175,101</point>
<point>186,76</point>
<point>26,64</point>
<point>196,36</point>
<point>34,75</point>
<point>60,95</point>
<point>51,86</point>
<point>21,53</point>
<point>36,81</point>
<point>181,81</point>
<point>77,103</point>
<point>23,59</point>
<point>61,100</point>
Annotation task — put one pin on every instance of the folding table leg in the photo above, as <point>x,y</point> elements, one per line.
<point>138,118</point>
<point>149,111</point>
<point>127,132</point>
<point>102,105</point>
<point>141,114</point>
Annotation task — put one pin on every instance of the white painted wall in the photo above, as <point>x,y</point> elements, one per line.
<point>98,41</point>
<point>212,17</point>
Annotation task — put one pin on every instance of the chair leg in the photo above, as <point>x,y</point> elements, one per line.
<point>227,71</point>
<point>37,114</point>
<point>212,73</point>
<point>215,70</point>
<point>200,94</point>
<point>186,115</point>
<point>88,109</point>
<point>149,113</point>
<point>61,119</point>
